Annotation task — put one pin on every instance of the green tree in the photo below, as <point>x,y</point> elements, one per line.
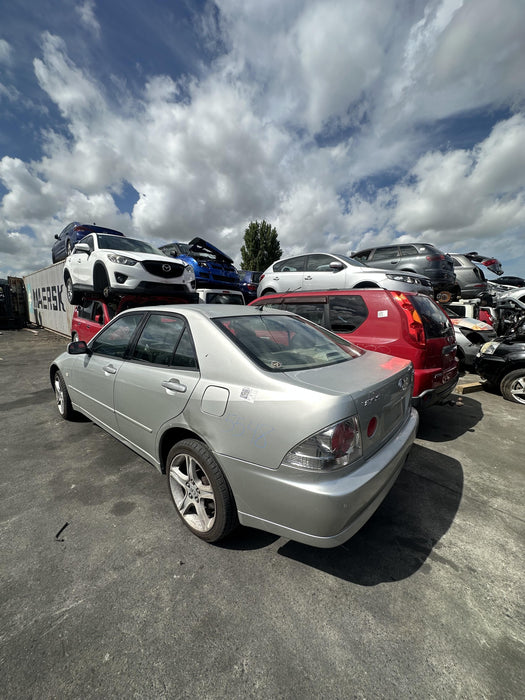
<point>261,246</point>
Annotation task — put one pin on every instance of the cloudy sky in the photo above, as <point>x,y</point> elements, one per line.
<point>343,123</point>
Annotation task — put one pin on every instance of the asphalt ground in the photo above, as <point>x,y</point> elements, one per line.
<point>105,594</point>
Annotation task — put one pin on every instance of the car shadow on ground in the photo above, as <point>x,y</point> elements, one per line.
<point>441,423</point>
<point>403,535</point>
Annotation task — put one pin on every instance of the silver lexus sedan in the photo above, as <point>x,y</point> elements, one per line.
<point>257,417</point>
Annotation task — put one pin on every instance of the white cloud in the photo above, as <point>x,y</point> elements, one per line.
<point>86,12</point>
<point>305,102</point>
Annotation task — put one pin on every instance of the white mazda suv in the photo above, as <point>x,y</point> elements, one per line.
<point>109,265</point>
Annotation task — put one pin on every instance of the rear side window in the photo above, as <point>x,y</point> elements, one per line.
<point>346,313</point>
<point>407,250</point>
<point>435,321</point>
<point>313,312</point>
<point>165,340</point>
<point>290,265</point>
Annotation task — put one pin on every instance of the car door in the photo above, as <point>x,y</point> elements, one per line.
<point>81,264</point>
<point>154,384</point>
<point>93,377</point>
<point>287,275</point>
<point>319,275</point>
<point>386,257</point>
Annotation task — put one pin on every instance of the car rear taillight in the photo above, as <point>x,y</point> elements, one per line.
<point>488,263</point>
<point>416,329</point>
<point>433,258</point>
<point>82,228</point>
<point>252,287</point>
<point>332,448</point>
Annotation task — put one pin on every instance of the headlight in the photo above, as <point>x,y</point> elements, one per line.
<point>403,278</point>
<point>189,274</point>
<point>121,259</point>
<point>332,448</point>
<point>489,348</point>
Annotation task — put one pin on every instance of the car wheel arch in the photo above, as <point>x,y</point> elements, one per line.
<point>366,285</point>
<point>170,438</point>
<point>100,277</point>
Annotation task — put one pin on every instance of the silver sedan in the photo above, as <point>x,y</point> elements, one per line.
<point>257,417</point>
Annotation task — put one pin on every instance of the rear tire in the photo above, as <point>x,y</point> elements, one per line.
<point>268,291</point>
<point>513,386</point>
<point>199,490</point>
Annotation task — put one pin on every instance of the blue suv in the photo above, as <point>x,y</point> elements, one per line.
<point>213,268</point>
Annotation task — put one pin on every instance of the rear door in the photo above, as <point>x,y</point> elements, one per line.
<point>386,257</point>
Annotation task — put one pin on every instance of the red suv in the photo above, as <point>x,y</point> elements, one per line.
<point>90,317</point>
<point>403,324</point>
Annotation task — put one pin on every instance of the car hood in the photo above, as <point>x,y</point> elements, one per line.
<point>141,257</point>
<point>472,324</point>
<point>199,245</point>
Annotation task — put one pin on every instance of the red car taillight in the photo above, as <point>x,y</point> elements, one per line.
<point>490,262</point>
<point>416,329</point>
<point>433,258</point>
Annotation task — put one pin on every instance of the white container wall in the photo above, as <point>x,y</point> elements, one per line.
<point>47,301</point>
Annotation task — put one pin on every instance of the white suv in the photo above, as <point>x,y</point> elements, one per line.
<point>106,265</point>
<point>320,271</point>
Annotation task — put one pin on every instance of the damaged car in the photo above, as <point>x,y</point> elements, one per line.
<point>212,267</point>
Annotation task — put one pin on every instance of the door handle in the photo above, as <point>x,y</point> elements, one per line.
<point>109,369</point>
<point>308,277</point>
<point>174,385</point>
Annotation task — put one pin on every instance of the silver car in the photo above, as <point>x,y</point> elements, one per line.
<point>315,271</point>
<point>257,417</point>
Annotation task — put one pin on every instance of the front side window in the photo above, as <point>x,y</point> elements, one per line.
<point>115,339</point>
<point>285,343</point>
<point>320,262</point>
<point>362,256</point>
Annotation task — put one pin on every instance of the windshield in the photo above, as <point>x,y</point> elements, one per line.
<point>107,242</point>
<point>284,343</point>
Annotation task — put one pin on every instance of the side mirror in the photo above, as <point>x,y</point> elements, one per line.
<point>335,265</point>
<point>81,248</point>
<point>78,347</point>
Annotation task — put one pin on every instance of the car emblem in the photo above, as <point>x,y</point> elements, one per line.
<point>371,398</point>
<point>166,267</point>
<point>403,382</point>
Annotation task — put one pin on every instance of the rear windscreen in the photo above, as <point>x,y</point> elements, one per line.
<point>434,320</point>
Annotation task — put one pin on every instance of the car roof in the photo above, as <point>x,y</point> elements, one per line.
<point>207,310</point>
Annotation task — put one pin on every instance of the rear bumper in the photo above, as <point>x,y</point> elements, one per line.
<point>317,509</point>
<point>428,397</point>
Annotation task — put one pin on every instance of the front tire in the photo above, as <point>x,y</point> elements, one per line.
<point>200,492</point>
<point>62,398</point>
<point>73,297</point>
<point>513,386</point>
